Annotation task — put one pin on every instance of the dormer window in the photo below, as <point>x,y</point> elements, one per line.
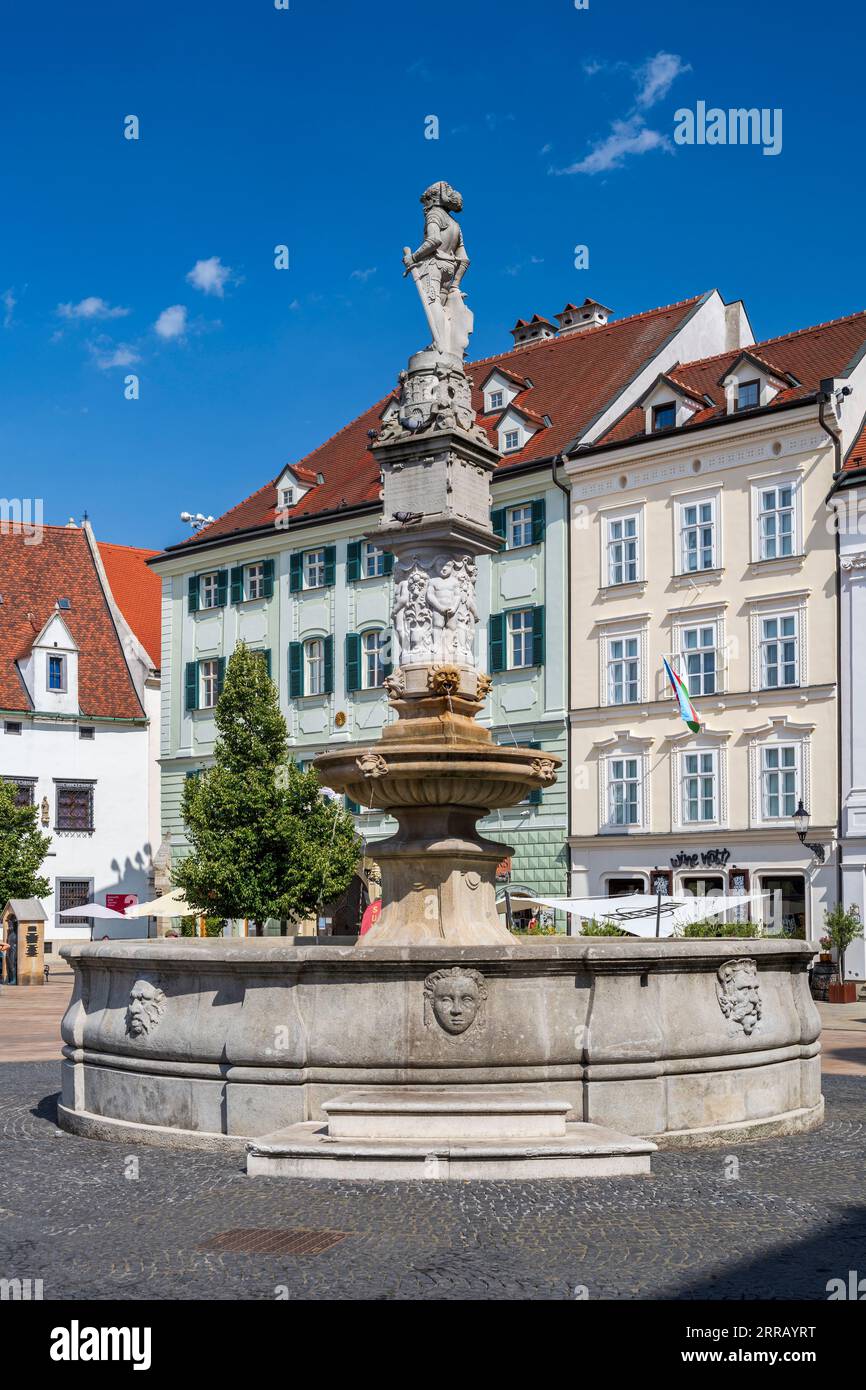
<point>748,395</point>
<point>496,400</point>
<point>287,497</point>
<point>57,673</point>
<point>664,416</point>
<point>511,441</point>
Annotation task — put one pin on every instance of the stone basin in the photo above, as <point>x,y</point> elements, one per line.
<point>212,1043</point>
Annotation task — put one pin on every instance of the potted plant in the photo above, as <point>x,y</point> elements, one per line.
<point>826,943</point>
<point>843,926</point>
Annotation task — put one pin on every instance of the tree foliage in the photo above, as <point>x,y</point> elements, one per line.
<point>23,847</point>
<point>843,925</point>
<point>264,843</point>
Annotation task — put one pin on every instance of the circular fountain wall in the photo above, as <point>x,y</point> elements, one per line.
<point>213,1043</point>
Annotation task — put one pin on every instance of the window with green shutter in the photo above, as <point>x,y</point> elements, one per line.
<point>497,521</point>
<point>389,562</point>
<point>221,675</point>
<point>296,670</point>
<point>496,642</point>
<point>329,665</point>
<point>238,584</point>
<point>353,661</point>
<point>296,571</point>
<point>353,561</point>
<point>222,592</point>
<point>192,593</point>
<point>191,685</point>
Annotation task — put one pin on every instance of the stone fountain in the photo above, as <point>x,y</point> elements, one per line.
<point>440,1046</point>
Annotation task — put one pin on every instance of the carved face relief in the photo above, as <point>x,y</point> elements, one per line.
<point>455,997</point>
<point>739,993</point>
<point>145,1008</point>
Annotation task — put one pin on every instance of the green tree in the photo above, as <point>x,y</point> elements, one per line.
<point>22,849</point>
<point>843,925</point>
<point>264,843</point>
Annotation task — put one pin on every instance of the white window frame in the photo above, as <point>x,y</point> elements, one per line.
<point>685,747</point>
<point>314,666</point>
<point>313,568</point>
<point>208,682</point>
<point>517,435</point>
<point>524,634</point>
<point>63,687</point>
<point>524,521</point>
<point>778,732</point>
<point>693,769</point>
<point>372,555</point>
<point>785,812</point>
<point>610,521</point>
<point>778,642</point>
<point>619,660</point>
<point>697,500</point>
<point>374,655</point>
<point>775,482</point>
<point>496,400</point>
<point>255,580</point>
<point>208,590</point>
<point>287,496</point>
<point>779,606</point>
<point>700,626</point>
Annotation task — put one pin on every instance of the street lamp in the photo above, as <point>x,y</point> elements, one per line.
<point>801,822</point>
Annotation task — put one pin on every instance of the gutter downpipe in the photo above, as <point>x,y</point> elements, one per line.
<point>824,397</point>
<point>555,463</point>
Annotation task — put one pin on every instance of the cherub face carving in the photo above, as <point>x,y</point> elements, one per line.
<point>456,997</point>
<point>145,1008</point>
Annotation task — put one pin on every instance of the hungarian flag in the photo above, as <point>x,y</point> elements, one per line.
<point>684,699</point>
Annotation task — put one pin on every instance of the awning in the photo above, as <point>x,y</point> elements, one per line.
<point>173,904</point>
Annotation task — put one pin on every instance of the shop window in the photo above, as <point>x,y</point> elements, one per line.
<point>785,911</point>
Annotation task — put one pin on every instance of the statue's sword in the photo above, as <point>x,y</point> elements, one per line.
<point>413,271</point>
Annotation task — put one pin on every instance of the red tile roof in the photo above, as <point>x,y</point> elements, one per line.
<point>857,453</point>
<point>809,355</point>
<point>574,378</point>
<point>32,579</point>
<point>137,592</point>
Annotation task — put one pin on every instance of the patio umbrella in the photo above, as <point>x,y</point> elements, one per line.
<point>173,904</point>
<point>91,910</point>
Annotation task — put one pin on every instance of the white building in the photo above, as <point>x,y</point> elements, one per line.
<point>79,703</point>
<point>849,501</point>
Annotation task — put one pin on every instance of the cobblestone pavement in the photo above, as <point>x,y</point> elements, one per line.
<point>71,1216</point>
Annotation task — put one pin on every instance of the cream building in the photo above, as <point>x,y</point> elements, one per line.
<point>700,533</point>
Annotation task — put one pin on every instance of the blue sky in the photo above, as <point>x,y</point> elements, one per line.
<point>306,127</point>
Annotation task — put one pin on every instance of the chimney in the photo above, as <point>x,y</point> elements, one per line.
<point>576,319</point>
<point>536,330</point>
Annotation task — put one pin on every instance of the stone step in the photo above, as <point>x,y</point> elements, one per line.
<point>429,1114</point>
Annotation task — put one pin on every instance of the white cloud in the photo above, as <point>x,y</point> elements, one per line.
<point>172,322</point>
<point>107,355</point>
<point>363,275</point>
<point>210,276</point>
<point>629,137</point>
<point>9,302</point>
<point>657,76</point>
<point>91,308</point>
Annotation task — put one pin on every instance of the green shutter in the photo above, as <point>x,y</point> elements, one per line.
<point>296,670</point>
<point>353,561</point>
<point>330,564</point>
<point>296,571</point>
<point>268,576</point>
<point>538,521</point>
<point>389,562</point>
<point>497,521</point>
<point>222,588</point>
<point>221,675</point>
<point>192,685</point>
<point>329,665</point>
<point>496,642</point>
<point>267,655</point>
<point>353,661</point>
<point>352,806</point>
<point>192,594</point>
<point>538,636</point>
<point>238,584</point>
